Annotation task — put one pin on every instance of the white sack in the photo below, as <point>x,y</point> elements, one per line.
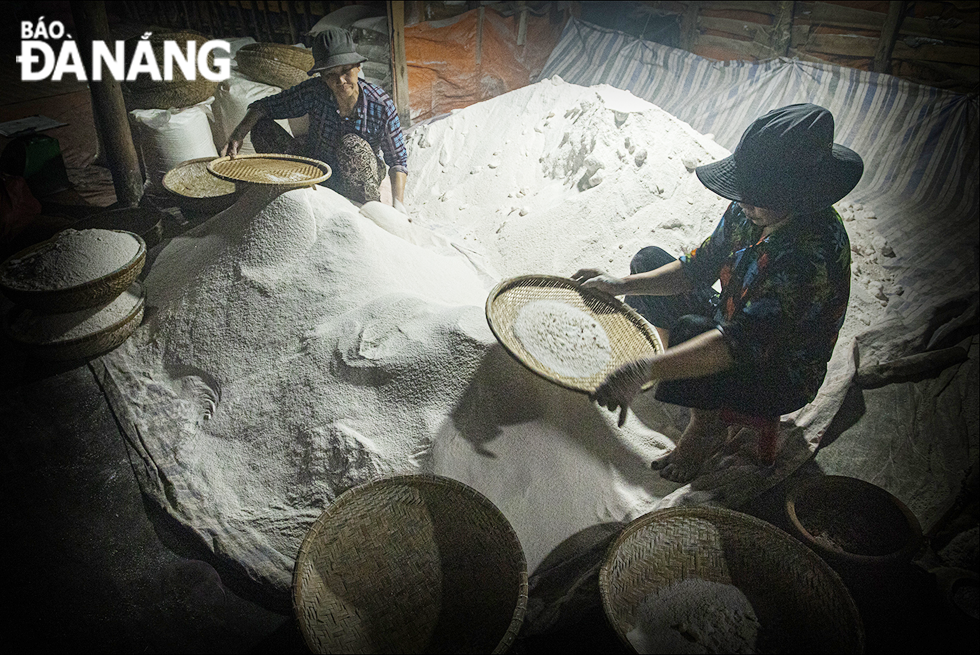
<point>167,137</point>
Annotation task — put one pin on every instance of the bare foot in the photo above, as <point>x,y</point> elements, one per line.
<point>702,437</point>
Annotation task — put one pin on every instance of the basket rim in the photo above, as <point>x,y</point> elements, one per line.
<point>187,163</point>
<point>41,293</point>
<point>836,481</point>
<point>708,512</point>
<point>418,479</point>
<point>17,310</point>
<point>324,168</point>
<point>620,306</point>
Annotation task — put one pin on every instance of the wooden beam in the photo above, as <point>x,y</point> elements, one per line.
<point>822,13</point>
<point>782,29</point>
<point>689,26</point>
<point>758,7</point>
<point>479,35</point>
<point>743,48</point>
<point>109,108</point>
<point>843,45</point>
<point>399,67</point>
<point>521,22</point>
<point>756,31</point>
<point>291,19</point>
<point>889,33</point>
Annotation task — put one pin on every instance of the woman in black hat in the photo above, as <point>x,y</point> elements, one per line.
<point>759,348</point>
<point>350,122</point>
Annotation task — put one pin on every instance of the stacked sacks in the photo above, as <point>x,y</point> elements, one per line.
<point>171,120</point>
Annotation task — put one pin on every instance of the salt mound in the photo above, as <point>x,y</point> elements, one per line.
<point>295,349</point>
<point>554,177</point>
<point>295,346</point>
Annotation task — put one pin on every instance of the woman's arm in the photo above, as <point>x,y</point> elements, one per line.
<point>254,114</point>
<point>668,280</point>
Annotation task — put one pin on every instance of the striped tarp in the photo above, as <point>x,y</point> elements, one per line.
<point>919,143</point>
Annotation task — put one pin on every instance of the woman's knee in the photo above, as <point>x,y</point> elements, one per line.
<point>689,326</point>
<point>650,258</point>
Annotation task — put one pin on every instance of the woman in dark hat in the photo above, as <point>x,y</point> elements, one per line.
<point>759,348</point>
<point>350,122</point>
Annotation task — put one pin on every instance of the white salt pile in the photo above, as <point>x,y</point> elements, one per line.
<point>695,616</point>
<point>70,259</point>
<point>564,339</point>
<point>300,347</point>
<point>50,329</point>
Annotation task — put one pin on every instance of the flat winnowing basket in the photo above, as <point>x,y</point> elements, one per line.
<point>195,188</point>
<point>410,564</point>
<point>83,296</point>
<point>801,604</point>
<point>86,347</point>
<point>630,336</point>
<point>282,66</point>
<point>270,169</point>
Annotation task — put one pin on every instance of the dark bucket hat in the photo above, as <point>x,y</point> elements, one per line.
<point>334,47</point>
<point>787,160</point>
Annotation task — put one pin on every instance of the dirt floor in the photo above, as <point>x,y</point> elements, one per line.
<point>96,568</point>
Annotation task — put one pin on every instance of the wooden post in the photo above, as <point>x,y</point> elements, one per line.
<point>108,107</point>
<point>291,18</point>
<point>522,22</point>
<point>479,35</point>
<point>889,34</point>
<point>689,27</point>
<point>399,67</point>
<point>782,29</point>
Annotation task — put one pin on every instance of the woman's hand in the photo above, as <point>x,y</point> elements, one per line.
<point>233,146</point>
<point>593,278</point>
<point>622,385</point>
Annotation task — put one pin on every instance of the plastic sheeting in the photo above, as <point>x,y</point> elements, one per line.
<point>447,70</point>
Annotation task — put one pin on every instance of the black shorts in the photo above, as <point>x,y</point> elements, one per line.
<point>686,316</point>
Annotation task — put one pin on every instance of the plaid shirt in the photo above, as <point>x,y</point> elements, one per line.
<point>374,118</point>
<point>783,297</point>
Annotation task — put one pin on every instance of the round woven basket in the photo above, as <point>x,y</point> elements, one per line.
<point>275,64</point>
<point>852,522</point>
<point>630,336</point>
<point>146,93</point>
<point>410,564</point>
<point>83,296</point>
<point>272,169</point>
<point>800,602</point>
<point>86,347</point>
<point>144,221</point>
<point>196,189</point>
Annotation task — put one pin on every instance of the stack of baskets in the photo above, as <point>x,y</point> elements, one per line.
<point>146,93</point>
<point>280,65</point>
<point>76,321</point>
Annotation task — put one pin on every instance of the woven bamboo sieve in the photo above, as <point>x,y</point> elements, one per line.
<point>87,347</point>
<point>196,189</point>
<point>272,169</point>
<point>146,93</point>
<point>801,603</point>
<point>83,296</point>
<point>410,564</point>
<point>630,336</point>
<point>278,65</point>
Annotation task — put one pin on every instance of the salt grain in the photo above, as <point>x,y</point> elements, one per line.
<point>565,339</point>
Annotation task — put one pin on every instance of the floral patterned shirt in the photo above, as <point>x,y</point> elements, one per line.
<point>783,297</point>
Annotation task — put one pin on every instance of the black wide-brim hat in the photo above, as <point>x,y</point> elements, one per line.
<point>334,47</point>
<point>787,160</point>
